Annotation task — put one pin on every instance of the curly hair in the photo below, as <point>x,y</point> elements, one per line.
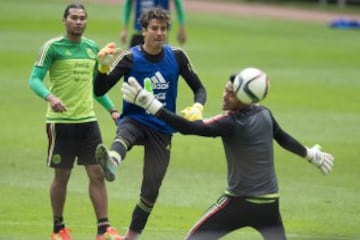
<point>154,13</point>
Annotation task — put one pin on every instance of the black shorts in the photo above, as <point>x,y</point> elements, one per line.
<point>72,141</point>
<point>231,213</point>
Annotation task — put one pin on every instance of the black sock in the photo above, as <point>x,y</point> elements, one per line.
<point>103,224</point>
<point>58,224</point>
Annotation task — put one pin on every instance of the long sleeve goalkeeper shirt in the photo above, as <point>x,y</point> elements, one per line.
<point>247,137</point>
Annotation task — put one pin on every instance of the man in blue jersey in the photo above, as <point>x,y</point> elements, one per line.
<point>139,7</point>
<point>160,65</point>
<point>71,123</point>
<point>247,132</point>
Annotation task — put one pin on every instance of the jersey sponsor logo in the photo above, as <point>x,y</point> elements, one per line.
<point>161,96</point>
<point>159,82</point>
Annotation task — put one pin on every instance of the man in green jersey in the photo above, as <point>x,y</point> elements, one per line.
<point>71,123</point>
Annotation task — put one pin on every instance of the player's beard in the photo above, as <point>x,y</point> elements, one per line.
<point>77,31</point>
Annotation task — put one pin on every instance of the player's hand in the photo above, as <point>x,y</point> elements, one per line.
<point>115,116</point>
<point>181,35</point>
<point>134,93</point>
<point>324,161</point>
<point>106,56</point>
<point>56,104</point>
<point>123,35</point>
<point>194,112</point>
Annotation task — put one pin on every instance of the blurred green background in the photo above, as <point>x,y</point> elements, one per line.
<point>314,73</point>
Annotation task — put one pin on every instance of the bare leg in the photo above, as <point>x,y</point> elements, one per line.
<point>97,190</point>
<point>58,191</point>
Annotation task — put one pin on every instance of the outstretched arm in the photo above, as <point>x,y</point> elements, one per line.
<point>322,160</point>
<point>286,141</point>
<point>134,93</point>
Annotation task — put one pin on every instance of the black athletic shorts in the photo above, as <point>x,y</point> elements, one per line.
<point>232,213</point>
<point>70,142</point>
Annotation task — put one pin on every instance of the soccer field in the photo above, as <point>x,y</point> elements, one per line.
<point>314,76</point>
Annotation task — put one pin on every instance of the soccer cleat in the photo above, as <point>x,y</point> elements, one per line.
<point>108,165</point>
<point>110,234</point>
<point>63,234</point>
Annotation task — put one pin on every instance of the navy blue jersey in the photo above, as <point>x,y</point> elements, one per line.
<point>164,70</point>
<point>164,78</point>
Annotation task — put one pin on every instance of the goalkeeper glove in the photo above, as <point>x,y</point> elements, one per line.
<point>324,161</point>
<point>134,93</point>
<point>106,56</point>
<point>193,112</point>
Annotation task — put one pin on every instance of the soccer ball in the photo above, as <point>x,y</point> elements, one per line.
<point>251,85</point>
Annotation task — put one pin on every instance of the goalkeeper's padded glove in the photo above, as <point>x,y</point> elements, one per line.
<point>322,160</point>
<point>148,85</point>
<point>106,56</point>
<point>193,112</point>
<point>134,93</point>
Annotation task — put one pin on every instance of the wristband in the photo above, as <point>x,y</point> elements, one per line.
<point>103,69</point>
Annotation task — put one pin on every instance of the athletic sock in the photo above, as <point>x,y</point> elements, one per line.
<point>118,150</point>
<point>102,225</point>
<point>58,224</point>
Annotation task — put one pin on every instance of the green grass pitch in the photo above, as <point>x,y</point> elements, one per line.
<point>314,73</point>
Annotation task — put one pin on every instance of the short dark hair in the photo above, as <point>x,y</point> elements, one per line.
<point>154,13</point>
<point>73,5</point>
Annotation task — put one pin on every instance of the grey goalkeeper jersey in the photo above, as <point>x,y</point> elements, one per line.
<point>247,137</point>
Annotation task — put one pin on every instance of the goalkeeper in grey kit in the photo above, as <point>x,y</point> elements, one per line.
<point>162,65</point>
<point>247,131</point>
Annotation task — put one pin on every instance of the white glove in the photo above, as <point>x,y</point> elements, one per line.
<point>134,93</point>
<point>324,161</point>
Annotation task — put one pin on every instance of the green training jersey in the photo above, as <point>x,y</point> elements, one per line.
<point>71,67</point>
